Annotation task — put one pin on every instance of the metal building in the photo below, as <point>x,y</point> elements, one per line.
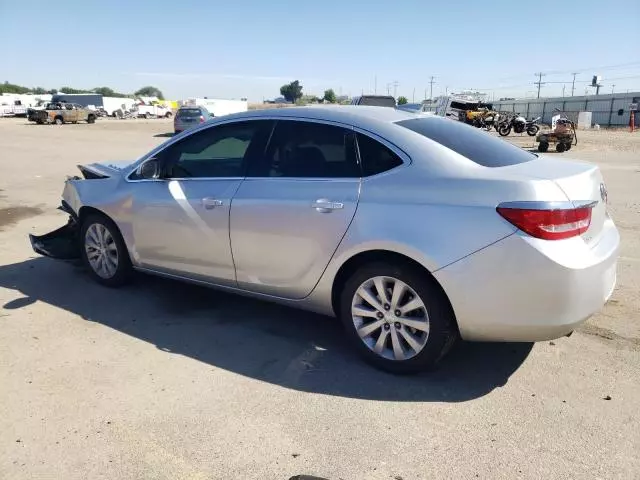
<point>608,109</point>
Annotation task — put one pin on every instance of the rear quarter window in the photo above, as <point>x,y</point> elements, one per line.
<point>470,142</point>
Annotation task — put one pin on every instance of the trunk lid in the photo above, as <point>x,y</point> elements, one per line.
<point>581,182</point>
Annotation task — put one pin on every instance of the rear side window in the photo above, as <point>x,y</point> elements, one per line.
<point>470,142</point>
<point>375,157</point>
<point>312,150</point>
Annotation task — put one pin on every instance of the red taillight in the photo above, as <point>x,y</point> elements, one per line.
<point>549,224</point>
<point>201,118</point>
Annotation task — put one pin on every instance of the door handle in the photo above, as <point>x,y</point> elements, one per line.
<point>324,205</point>
<point>210,203</point>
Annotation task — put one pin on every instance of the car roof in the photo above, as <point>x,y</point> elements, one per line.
<point>356,115</point>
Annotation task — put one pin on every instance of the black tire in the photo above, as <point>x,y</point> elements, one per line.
<point>560,147</point>
<point>532,130</point>
<point>91,119</point>
<point>146,116</point>
<point>39,122</point>
<point>168,115</point>
<point>124,269</point>
<point>442,329</point>
<point>567,146</point>
<point>543,146</point>
<point>58,120</point>
<point>504,131</point>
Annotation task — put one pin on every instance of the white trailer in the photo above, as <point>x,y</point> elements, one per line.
<point>219,107</point>
<point>116,106</point>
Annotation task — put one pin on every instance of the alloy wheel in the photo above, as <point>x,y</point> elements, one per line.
<point>101,250</point>
<point>390,318</point>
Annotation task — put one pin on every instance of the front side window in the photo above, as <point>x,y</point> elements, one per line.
<point>313,150</point>
<point>218,151</point>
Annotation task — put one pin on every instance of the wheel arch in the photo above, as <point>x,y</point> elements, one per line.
<point>369,256</point>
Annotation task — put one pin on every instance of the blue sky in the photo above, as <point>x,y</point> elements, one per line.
<point>249,48</point>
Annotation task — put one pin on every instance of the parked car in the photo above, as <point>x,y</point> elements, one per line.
<point>189,117</point>
<point>414,230</point>
<point>375,101</point>
<point>60,113</point>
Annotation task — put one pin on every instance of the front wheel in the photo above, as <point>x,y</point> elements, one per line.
<point>58,121</point>
<point>504,131</point>
<point>397,317</point>
<point>167,115</point>
<point>91,119</point>
<point>532,130</point>
<point>104,252</point>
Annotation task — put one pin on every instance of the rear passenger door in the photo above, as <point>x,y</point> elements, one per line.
<point>291,212</point>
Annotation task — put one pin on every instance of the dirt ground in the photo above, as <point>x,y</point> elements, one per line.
<point>161,380</point>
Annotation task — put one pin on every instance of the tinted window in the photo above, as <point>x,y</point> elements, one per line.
<point>219,151</point>
<point>189,112</point>
<point>305,149</point>
<point>375,157</point>
<point>476,145</point>
<point>377,101</point>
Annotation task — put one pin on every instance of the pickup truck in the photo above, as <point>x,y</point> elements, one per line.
<point>149,111</point>
<point>60,113</point>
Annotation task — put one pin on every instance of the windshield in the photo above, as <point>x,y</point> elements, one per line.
<point>469,142</point>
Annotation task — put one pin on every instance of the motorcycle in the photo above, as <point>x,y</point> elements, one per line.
<point>519,124</point>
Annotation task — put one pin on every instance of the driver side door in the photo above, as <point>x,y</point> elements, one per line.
<point>181,220</point>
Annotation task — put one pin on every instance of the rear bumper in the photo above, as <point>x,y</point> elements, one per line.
<point>526,289</point>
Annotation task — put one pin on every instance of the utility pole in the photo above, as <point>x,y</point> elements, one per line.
<point>375,84</point>
<point>613,87</point>
<point>431,82</point>
<point>563,85</point>
<point>413,97</point>
<point>539,82</point>
<point>393,84</point>
<point>573,84</point>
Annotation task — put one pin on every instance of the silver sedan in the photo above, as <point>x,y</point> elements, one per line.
<point>414,230</point>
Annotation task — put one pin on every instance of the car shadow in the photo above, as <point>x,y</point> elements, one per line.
<point>164,135</point>
<point>276,344</point>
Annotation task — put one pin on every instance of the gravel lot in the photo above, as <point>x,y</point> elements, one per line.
<point>162,380</point>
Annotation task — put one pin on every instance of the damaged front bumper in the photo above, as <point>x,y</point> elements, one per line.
<point>62,243</point>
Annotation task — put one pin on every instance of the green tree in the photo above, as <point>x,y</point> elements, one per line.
<point>7,87</point>
<point>69,90</point>
<point>149,91</point>
<point>105,92</point>
<point>402,100</point>
<point>291,91</point>
<point>329,96</point>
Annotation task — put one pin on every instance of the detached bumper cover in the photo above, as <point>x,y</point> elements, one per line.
<point>62,243</point>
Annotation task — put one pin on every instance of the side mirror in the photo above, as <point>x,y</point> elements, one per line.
<point>150,170</point>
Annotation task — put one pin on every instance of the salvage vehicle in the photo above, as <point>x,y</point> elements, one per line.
<point>412,229</point>
<point>60,113</point>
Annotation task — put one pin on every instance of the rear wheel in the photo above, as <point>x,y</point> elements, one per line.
<point>146,116</point>
<point>560,147</point>
<point>397,317</point>
<point>91,119</point>
<point>167,115</point>
<point>543,146</point>
<point>58,121</point>
<point>567,146</point>
<point>103,251</point>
